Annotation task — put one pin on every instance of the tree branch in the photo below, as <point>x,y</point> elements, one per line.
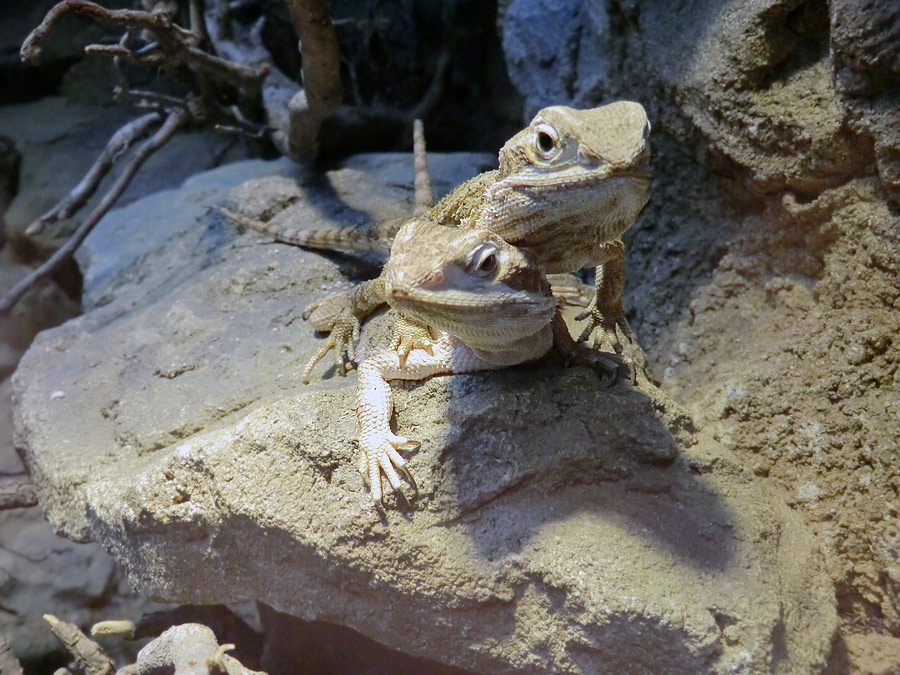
<point>322,93</point>
<point>172,124</point>
<point>9,664</point>
<point>78,195</point>
<point>16,492</point>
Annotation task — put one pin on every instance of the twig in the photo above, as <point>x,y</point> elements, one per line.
<point>119,143</point>
<point>16,492</point>
<point>321,94</point>
<point>172,124</point>
<point>87,653</point>
<point>177,45</point>
<point>424,193</point>
<point>9,664</point>
<point>157,22</point>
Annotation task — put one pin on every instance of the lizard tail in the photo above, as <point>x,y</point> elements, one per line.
<point>344,239</point>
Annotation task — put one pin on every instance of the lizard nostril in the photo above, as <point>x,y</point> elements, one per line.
<point>434,278</point>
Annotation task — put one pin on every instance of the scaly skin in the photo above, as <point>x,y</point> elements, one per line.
<point>482,304</point>
<point>568,186</point>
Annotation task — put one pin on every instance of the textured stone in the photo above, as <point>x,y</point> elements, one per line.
<point>763,280</point>
<point>188,649</point>
<point>560,526</point>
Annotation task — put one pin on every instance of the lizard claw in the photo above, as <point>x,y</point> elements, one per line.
<point>602,324</point>
<point>408,336</point>
<point>611,367</point>
<point>342,339</point>
<point>384,458</point>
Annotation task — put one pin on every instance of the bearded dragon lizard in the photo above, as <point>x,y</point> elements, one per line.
<point>487,306</point>
<point>567,187</point>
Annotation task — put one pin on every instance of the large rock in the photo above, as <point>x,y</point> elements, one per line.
<point>763,273</point>
<point>559,526</point>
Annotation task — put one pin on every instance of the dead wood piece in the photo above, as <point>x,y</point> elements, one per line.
<point>120,627</point>
<point>175,121</point>
<point>9,664</point>
<point>118,143</point>
<point>175,46</point>
<point>16,492</point>
<point>322,92</point>
<point>87,653</point>
<point>424,192</point>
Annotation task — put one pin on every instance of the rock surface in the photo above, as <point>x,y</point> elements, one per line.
<point>763,276</point>
<point>560,526</point>
<point>188,649</point>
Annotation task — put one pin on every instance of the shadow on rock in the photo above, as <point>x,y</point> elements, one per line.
<point>545,444</point>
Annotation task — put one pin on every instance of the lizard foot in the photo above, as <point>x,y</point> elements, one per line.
<point>409,335</point>
<point>342,338</point>
<point>602,324</point>
<point>605,327</point>
<point>379,455</point>
<point>611,367</point>
<point>325,312</point>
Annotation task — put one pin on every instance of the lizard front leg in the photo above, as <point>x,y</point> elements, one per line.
<point>379,446</point>
<point>408,335</point>
<point>340,315</point>
<point>605,313</point>
<point>610,366</point>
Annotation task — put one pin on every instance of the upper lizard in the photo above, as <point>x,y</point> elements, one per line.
<point>567,186</point>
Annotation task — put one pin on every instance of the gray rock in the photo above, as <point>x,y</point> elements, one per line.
<point>559,527</point>
<point>865,44</point>
<point>764,267</point>
<point>188,649</point>
<point>751,81</point>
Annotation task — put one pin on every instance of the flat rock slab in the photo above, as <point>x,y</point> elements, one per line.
<point>560,526</point>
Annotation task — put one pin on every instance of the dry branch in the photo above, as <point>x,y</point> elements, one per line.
<point>118,143</point>
<point>87,653</point>
<point>321,94</point>
<point>16,492</point>
<point>213,82</point>
<point>175,121</point>
<point>176,45</point>
<point>9,664</point>
<point>424,192</point>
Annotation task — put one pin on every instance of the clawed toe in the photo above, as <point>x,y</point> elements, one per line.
<point>389,463</point>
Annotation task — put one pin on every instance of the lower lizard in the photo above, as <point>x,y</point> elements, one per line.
<point>486,306</point>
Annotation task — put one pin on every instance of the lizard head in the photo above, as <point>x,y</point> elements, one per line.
<point>468,282</point>
<point>604,141</point>
<point>571,177</point>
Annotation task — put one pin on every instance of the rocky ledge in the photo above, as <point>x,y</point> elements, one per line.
<point>560,526</point>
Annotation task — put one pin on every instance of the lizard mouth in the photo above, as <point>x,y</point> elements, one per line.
<point>496,314</point>
<point>576,178</point>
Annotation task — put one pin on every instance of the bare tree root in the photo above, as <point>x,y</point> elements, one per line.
<point>16,492</point>
<point>88,654</point>
<point>215,84</point>
<point>424,192</point>
<point>9,664</point>
<point>118,144</point>
<point>175,121</point>
<point>322,93</point>
<point>175,45</point>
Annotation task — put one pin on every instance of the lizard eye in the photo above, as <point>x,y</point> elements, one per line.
<point>485,260</point>
<point>545,140</point>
